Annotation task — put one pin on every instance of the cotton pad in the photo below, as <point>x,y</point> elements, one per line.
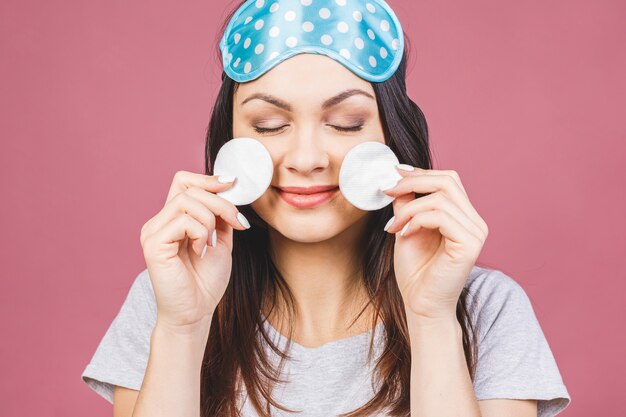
<point>365,169</point>
<point>251,163</point>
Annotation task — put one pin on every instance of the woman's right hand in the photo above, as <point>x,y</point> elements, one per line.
<point>187,287</point>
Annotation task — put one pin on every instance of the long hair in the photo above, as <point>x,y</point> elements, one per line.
<point>235,354</point>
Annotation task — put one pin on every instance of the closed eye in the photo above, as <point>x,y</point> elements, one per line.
<point>356,128</point>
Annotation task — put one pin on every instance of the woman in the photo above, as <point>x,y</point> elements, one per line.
<point>321,307</point>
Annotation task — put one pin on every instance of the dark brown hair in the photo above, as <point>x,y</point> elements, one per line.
<point>235,352</point>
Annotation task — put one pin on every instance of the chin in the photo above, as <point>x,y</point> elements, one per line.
<point>311,235</point>
<point>307,227</point>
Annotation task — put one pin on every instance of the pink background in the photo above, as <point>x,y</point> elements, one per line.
<point>103,101</point>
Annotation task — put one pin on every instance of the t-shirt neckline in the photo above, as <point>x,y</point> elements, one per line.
<point>328,345</point>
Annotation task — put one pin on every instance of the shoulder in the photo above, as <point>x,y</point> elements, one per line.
<point>498,303</point>
<point>483,282</point>
<point>514,357</point>
<point>144,285</point>
<point>122,354</point>
<point>487,287</point>
<point>141,291</point>
<point>140,303</point>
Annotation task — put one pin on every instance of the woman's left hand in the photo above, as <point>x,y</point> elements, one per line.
<point>441,236</point>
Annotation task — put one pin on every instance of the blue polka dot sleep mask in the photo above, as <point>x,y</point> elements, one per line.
<point>365,36</point>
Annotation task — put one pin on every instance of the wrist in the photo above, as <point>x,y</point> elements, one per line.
<point>199,329</point>
<point>429,323</point>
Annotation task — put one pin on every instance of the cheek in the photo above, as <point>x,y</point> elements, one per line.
<point>265,204</point>
<point>241,128</point>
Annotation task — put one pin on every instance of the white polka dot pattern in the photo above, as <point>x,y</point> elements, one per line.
<point>291,41</point>
<point>364,36</point>
<point>326,39</point>
<point>274,31</point>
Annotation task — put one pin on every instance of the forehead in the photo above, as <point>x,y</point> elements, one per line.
<point>305,76</point>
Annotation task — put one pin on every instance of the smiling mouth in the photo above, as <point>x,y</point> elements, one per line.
<point>308,199</point>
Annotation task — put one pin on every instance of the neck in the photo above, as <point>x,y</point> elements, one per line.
<point>325,279</point>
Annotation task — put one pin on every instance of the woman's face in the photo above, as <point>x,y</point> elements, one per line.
<point>316,110</point>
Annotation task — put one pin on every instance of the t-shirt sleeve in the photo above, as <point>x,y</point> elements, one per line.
<point>122,355</point>
<point>514,357</point>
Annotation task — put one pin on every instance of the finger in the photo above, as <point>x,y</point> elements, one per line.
<point>165,243</point>
<point>225,238</point>
<point>221,208</point>
<point>434,201</point>
<point>398,203</point>
<point>466,245</point>
<point>223,234</point>
<point>409,170</point>
<point>183,180</point>
<point>182,203</point>
<point>429,183</point>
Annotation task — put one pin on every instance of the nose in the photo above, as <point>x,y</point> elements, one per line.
<point>305,152</point>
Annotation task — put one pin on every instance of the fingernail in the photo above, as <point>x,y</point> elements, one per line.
<point>226,178</point>
<point>389,223</point>
<point>203,251</point>
<point>406,226</point>
<point>242,219</point>
<point>405,167</point>
<point>214,238</point>
<point>388,185</point>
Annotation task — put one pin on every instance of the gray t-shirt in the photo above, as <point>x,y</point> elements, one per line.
<point>514,358</point>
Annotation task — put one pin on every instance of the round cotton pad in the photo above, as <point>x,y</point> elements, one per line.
<point>251,163</point>
<point>365,168</point>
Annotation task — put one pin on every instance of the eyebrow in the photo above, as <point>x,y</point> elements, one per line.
<point>333,101</point>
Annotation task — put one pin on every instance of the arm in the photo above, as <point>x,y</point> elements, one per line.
<point>171,385</point>
<point>440,381</point>
<point>124,400</point>
<point>440,238</point>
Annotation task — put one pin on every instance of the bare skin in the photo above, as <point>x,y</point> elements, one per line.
<point>317,262</point>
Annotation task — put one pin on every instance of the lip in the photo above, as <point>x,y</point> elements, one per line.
<point>307,197</point>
